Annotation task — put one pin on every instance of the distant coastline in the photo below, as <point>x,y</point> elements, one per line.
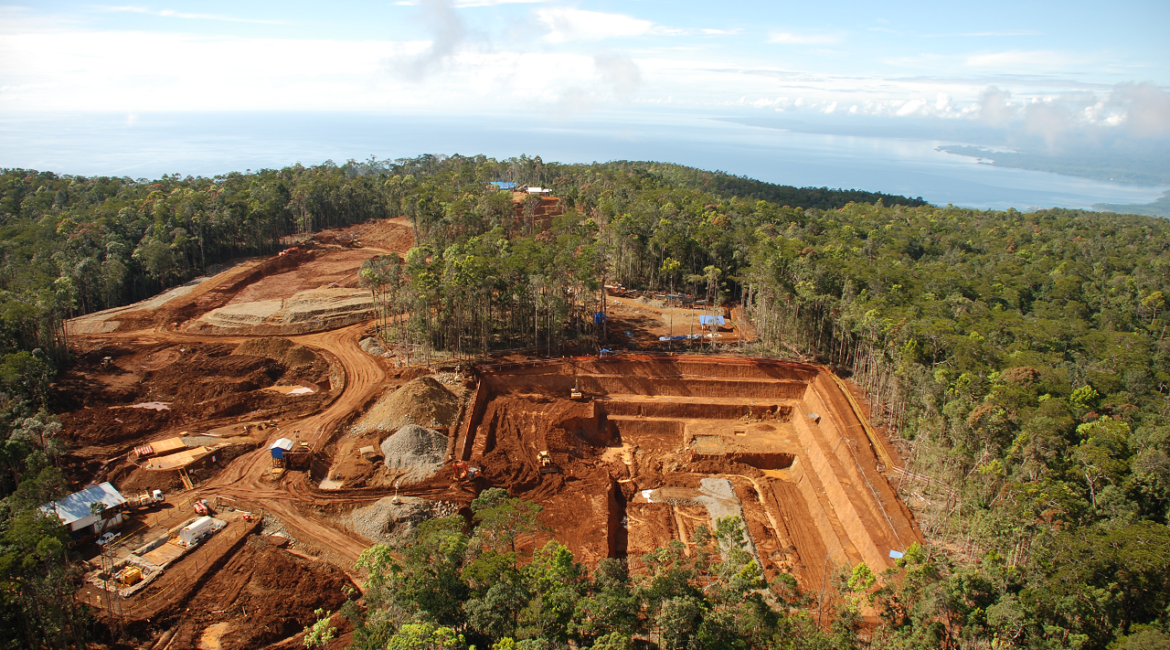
<point>1159,208</point>
<point>1146,166</point>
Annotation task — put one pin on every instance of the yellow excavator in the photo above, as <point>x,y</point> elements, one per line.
<point>575,393</point>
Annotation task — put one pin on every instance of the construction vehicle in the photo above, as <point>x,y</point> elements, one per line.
<point>575,393</point>
<point>202,507</point>
<point>460,468</point>
<point>145,499</point>
<point>546,463</point>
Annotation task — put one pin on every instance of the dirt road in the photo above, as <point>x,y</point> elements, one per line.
<point>294,498</point>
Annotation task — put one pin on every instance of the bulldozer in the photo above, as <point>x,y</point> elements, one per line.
<point>575,393</point>
<point>546,463</point>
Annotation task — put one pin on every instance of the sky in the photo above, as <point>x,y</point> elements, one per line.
<point>1050,68</point>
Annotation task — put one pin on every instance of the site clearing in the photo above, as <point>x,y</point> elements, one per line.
<point>263,390</point>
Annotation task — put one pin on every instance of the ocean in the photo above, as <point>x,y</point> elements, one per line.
<point>151,144</point>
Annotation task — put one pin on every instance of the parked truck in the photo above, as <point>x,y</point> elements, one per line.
<point>145,499</point>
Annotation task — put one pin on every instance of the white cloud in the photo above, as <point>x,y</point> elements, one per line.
<point>995,107</point>
<point>788,38</point>
<point>51,63</point>
<point>565,24</point>
<point>911,107</point>
<point>620,73</point>
<point>1020,32</point>
<point>1021,60</point>
<point>473,3</point>
<point>170,13</point>
<point>447,32</point>
<point>1147,108</point>
<point>721,32</point>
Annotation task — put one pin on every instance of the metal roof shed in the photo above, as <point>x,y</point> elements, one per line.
<point>74,510</point>
<point>280,446</point>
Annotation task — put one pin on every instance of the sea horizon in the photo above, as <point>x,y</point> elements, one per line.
<point>148,145</point>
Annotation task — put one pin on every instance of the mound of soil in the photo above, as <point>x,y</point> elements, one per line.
<point>415,452</point>
<point>279,349</point>
<point>262,595</point>
<point>423,401</point>
<point>198,382</point>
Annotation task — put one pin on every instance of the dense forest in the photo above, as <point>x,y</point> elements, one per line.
<point>1020,362</point>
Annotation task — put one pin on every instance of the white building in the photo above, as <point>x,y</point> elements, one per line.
<point>75,510</point>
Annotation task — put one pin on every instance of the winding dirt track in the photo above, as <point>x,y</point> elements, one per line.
<point>294,499</point>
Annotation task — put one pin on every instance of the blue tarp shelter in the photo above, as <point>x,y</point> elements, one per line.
<point>711,320</point>
<point>280,446</point>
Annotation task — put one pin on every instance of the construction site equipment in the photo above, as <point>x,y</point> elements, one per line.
<point>186,478</point>
<point>144,499</point>
<point>460,468</point>
<point>546,463</point>
<point>575,393</point>
<point>202,507</point>
<point>132,575</point>
<point>198,530</point>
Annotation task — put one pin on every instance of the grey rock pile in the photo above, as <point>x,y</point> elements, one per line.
<point>386,522</point>
<point>414,453</point>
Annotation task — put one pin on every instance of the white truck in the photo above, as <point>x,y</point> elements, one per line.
<point>145,499</point>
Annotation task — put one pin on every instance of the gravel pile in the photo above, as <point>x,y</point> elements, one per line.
<point>372,346</point>
<point>385,522</point>
<point>421,401</point>
<point>415,453</point>
<point>272,526</point>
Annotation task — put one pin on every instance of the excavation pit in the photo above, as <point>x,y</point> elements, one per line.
<point>781,442</point>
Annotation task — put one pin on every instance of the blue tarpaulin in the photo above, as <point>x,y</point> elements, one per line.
<point>504,185</point>
<point>599,318</point>
<point>711,320</point>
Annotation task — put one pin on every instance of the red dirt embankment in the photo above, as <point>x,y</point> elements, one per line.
<point>201,383</point>
<point>261,595</point>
